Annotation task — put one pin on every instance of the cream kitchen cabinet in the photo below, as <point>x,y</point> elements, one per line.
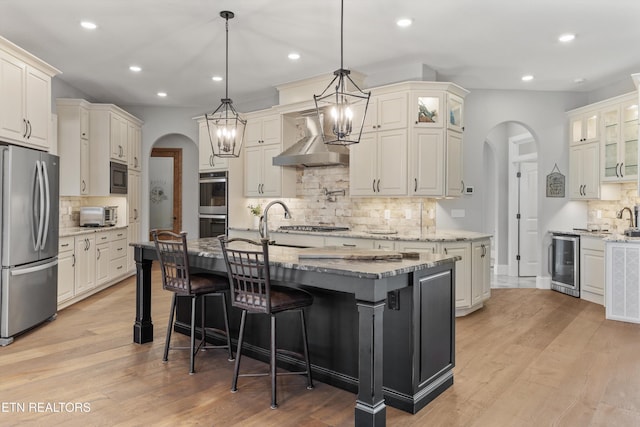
<point>66,269</point>
<point>109,131</point>
<point>85,252</point>
<point>435,163</point>
<point>622,286</point>
<point>480,271</point>
<point>25,97</point>
<point>378,164</point>
<point>584,126</point>
<point>403,245</point>
<point>349,242</point>
<point>385,112</point>
<point>133,225</point>
<point>207,161</point>
<point>262,129</point>
<point>592,275</point>
<point>73,146</point>
<point>463,270</point>
<point>118,137</point>
<point>620,141</point>
<point>134,146</point>
<point>263,142</point>
<point>103,257</point>
<point>584,166</point>
<point>118,254</point>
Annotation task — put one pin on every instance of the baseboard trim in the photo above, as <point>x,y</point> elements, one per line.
<point>543,282</point>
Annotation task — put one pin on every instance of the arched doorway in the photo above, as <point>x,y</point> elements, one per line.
<point>512,208</point>
<point>173,167</point>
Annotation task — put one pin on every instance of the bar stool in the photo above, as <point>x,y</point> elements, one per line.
<point>252,291</point>
<point>176,277</point>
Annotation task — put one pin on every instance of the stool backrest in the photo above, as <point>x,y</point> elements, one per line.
<point>248,269</point>
<point>174,260</point>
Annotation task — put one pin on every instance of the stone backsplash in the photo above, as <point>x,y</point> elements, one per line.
<point>608,209</point>
<point>70,208</point>
<point>313,205</point>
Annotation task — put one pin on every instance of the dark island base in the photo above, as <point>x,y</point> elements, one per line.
<point>419,331</point>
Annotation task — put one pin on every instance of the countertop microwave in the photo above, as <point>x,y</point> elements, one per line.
<point>118,178</point>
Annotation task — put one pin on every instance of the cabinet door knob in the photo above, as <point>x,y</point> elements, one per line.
<point>378,186</point>
<point>73,257</point>
<point>415,184</point>
<point>621,173</point>
<point>26,128</point>
<point>29,125</point>
<point>98,257</point>
<point>373,185</point>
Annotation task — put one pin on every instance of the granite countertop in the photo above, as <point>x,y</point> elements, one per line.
<point>621,238</point>
<point>438,236</point>
<point>288,258</point>
<point>585,233</point>
<point>75,231</point>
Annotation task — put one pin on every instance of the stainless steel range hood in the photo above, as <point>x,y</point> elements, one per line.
<point>311,150</point>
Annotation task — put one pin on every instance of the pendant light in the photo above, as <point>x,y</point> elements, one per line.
<point>345,110</point>
<point>225,126</point>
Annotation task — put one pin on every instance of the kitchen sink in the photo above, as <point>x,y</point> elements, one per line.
<point>632,232</point>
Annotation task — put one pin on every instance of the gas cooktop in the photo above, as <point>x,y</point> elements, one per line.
<point>318,228</point>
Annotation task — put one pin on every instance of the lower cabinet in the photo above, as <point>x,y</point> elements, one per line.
<point>592,269</point>
<point>473,270</point>
<point>90,262</point>
<point>622,282</point>
<point>66,268</point>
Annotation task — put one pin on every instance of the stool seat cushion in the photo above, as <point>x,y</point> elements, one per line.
<point>207,283</point>
<point>282,298</point>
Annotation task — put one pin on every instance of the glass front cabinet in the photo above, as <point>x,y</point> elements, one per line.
<point>433,109</point>
<point>620,142</point>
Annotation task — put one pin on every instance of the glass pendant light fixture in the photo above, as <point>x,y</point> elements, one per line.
<point>225,126</point>
<point>342,106</point>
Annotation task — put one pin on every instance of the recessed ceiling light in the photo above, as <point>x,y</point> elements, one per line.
<point>564,38</point>
<point>294,56</point>
<point>135,68</point>
<point>579,80</point>
<point>527,78</point>
<point>216,78</point>
<point>162,94</point>
<point>88,25</point>
<point>404,22</point>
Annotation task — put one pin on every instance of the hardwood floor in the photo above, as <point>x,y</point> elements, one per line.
<point>528,358</point>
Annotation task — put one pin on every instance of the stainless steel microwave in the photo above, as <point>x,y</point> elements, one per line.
<point>118,178</point>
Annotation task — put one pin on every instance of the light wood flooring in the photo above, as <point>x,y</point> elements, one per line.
<point>528,358</point>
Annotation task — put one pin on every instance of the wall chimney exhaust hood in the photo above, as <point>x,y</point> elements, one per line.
<point>311,150</point>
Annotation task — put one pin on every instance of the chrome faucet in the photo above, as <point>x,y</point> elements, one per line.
<point>263,228</point>
<point>619,215</point>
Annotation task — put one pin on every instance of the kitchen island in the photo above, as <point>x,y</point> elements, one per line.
<point>385,329</point>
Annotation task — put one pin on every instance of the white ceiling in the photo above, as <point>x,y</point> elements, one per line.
<point>180,43</point>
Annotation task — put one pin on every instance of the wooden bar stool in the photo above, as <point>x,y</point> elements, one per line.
<point>251,290</point>
<point>176,277</point>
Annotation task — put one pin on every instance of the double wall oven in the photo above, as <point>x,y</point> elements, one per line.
<point>214,198</point>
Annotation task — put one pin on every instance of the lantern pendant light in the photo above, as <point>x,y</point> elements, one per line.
<point>341,112</point>
<point>225,126</point>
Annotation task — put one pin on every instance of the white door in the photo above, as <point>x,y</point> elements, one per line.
<point>528,224</point>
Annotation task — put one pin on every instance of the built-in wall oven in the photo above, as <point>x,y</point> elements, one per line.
<point>213,203</point>
<point>564,264</point>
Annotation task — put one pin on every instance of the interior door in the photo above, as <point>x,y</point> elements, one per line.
<point>528,224</point>
<point>165,190</point>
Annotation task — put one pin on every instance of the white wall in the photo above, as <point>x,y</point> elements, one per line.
<point>541,112</point>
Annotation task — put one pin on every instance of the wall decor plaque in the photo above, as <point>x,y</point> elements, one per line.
<point>555,183</point>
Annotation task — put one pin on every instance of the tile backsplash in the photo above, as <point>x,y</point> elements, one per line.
<point>314,205</point>
<point>70,208</point>
<point>608,209</point>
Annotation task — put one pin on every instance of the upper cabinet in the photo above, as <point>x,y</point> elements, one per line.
<point>207,161</point>
<point>435,143</point>
<point>110,129</point>
<point>134,144</point>
<point>263,141</point>
<point>73,146</point>
<point>385,112</point>
<point>584,127</point>
<point>620,142</point>
<point>25,97</point>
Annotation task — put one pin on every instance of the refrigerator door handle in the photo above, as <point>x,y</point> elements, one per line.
<point>21,271</point>
<point>40,194</point>
<point>47,205</point>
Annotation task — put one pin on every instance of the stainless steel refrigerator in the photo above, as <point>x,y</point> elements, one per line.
<point>29,249</point>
